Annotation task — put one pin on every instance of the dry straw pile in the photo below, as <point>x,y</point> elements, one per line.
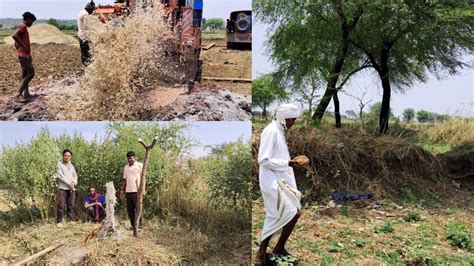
<point>350,161</point>
<point>127,60</point>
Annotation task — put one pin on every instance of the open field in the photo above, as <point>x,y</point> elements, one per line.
<point>422,180</point>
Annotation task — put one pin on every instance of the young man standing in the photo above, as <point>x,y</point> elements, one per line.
<point>131,181</point>
<point>67,182</point>
<point>81,33</point>
<point>23,48</point>
<point>277,182</point>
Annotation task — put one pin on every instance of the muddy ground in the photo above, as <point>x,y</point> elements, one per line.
<point>57,63</point>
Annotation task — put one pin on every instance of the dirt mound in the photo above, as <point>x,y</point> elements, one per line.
<point>207,103</point>
<point>459,164</point>
<point>45,33</point>
<point>51,62</point>
<point>349,161</point>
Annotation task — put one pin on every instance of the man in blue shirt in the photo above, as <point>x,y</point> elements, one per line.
<point>94,204</point>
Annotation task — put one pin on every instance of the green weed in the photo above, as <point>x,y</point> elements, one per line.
<point>458,235</point>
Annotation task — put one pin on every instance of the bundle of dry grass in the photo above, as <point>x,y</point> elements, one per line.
<point>352,161</point>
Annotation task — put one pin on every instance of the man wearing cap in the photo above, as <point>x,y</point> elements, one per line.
<point>277,182</point>
<point>131,181</point>
<point>81,33</point>
<point>23,48</point>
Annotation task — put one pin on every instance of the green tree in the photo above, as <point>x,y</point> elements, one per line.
<point>310,37</point>
<point>265,91</point>
<point>53,22</point>
<point>424,116</point>
<point>408,114</point>
<point>214,24</point>
<point>405,39</point>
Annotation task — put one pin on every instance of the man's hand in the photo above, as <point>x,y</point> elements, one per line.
<point>293,163</point>
<point>98,203</point>
<point>72,186</point>
<point>121,195</point>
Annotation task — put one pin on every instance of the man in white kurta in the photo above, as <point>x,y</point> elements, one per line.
<point>277,181</point>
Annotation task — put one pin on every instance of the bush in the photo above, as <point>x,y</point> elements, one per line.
<point>412,217</point>
<point>28,170</point>
<point>228,172</point>
<point>458,235</point>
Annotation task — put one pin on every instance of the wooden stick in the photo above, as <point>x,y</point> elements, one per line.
<point>209,46</point>
<point>227,79</point>
<point>141,188</point>
<point>38,254</point>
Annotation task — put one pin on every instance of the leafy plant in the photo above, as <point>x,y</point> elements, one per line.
<point>386,228</point>
<point>412,217</point>
<point>458,235</point>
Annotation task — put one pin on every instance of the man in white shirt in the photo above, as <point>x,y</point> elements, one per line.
<point>131,181</point>
<point>67,182</point>
<point>81,34</point>
<point>277,182</point>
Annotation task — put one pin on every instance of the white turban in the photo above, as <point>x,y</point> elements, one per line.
<point>287,110</point>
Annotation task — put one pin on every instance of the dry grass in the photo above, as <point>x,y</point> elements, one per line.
<point>352,161</point>
<point>454,132</point>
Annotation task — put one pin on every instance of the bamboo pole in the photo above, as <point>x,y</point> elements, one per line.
<point>38,254</point>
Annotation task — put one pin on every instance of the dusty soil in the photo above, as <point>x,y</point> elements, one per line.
<point>51,62</point>
<point>206,103</point>
<point>221,62</point>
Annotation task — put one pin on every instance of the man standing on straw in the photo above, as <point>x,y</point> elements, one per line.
<point>67,182</point>
<point>277,182</point>
<point>131,182</point>
<point>81,25</point>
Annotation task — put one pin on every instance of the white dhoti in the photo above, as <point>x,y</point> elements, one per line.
<point>277,181</point>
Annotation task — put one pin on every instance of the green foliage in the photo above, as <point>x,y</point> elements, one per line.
<point>408,114</point>
<point>386,228</point>
<point>265,91</point>
<point>458,236</point>
<point>214,24</point>
<point>53,22</point>
<point>28,170</point>
<point>424,116</point>
<point>412,217</point>
<point>228,171</point>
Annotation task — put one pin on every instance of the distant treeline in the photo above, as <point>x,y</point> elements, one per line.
<point>62,24</point>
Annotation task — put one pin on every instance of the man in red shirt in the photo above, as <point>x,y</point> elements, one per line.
<point>23,47</point>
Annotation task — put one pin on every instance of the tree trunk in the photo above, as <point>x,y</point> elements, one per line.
<point>337,68</point>
<point>361,115</point>
<point>337,113</point>
<point>384,76</point>
<point>264,112</point>
<point>141,188</point>
<point>332,82</point>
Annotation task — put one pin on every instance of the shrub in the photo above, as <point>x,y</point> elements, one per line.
<point>458,235</point>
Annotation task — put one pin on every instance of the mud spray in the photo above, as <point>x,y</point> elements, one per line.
<point>128,58</point>
<point>110,222</point>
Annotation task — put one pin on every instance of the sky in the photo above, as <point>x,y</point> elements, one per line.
<point>68,9</point>
<point>206,133</point>
<point>452,95</point>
